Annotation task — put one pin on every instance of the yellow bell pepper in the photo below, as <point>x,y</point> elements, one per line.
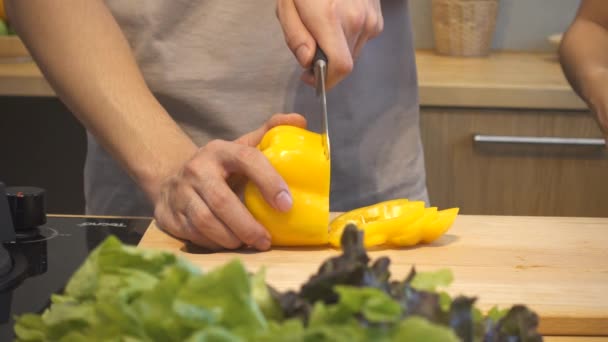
<point>396,222</point>
<point>298,156</point>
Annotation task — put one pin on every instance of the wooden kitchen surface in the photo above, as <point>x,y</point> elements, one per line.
<point>23,79</point>
<point>574,339</point>
<point>501,80</point>
<point>557,266</point>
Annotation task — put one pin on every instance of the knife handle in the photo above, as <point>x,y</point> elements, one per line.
<point>319,55</point>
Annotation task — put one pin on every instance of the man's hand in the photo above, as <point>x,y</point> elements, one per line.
<point>340,27</point>
<point>198,203</point>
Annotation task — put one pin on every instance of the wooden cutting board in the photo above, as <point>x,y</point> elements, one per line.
<point>556,266</point>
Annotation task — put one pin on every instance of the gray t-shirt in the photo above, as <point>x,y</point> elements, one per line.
<point>221,68</point>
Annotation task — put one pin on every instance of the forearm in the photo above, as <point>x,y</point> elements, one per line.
<point>87,60</point>
<point>584,58</point>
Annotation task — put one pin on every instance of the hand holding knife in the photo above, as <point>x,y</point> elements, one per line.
<point>320,71</point>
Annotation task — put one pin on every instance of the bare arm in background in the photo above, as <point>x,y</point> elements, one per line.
<point>584,57</point>
<point>85,57</point>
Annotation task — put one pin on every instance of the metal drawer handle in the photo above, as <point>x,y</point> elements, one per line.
<point>505,139</point>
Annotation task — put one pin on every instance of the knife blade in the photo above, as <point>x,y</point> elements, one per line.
<point>320,71</point>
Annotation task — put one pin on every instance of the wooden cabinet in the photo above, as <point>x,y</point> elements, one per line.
<point>514,178</point>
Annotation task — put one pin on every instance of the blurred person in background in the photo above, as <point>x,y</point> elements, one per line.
<point>584,57</point>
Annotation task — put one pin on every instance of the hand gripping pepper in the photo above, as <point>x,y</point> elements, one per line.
<point>297,155</point>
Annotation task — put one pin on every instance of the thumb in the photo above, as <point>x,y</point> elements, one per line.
<point>254,138</point>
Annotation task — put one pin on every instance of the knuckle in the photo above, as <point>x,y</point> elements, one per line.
<point>250,236</point>
<point>331,11</point>
<point>380,26</point>
<point>247,155</point>
<point>216,197</point>
<point>355,20</point>
<point>190,170</point>
<point>214,146</point>
<point>372,26</point>
<point>344,66</point>
<point>292,40</point>
<point>159,216</point>
<point>165,221</point>
<point>200,218</point>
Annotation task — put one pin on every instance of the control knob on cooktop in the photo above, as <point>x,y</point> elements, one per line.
<point>22,216</point>
<point>28,207</point>
<point>7,233</point>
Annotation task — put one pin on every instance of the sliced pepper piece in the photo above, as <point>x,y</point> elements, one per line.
<point>398,222</point>
<point>412,235</point>
<point>298,156</point>
<point>380,221</point>
<point>445,219</point>
<point>366,218</point>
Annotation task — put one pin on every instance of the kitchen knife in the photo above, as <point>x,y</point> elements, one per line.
<point>320,71</point>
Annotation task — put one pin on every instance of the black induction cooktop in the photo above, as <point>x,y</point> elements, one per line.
<point>40,254</point>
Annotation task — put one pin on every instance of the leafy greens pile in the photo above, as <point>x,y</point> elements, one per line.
<point>123,293</point>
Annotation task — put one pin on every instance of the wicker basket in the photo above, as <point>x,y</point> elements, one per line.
<point>464,27</point>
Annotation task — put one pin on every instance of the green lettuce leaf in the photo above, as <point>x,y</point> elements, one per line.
<point>226,294</point>
<point>123,293</point>
<point>430,281</point>
<point>373,304</point>
<point>263,296</point>
<point>420,329</point>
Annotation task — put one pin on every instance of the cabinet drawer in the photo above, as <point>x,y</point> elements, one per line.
<point>516,166</point>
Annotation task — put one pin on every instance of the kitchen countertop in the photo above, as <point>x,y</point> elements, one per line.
<point>502,80</point>
<point>558,266</point>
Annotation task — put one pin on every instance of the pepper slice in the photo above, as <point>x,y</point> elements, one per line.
<point>397,222</point>
<point>442,223</point>
<point>298,156</point>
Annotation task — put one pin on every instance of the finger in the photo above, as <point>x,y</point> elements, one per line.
<point>365,28</point>
<point>206,226</point>
<point>165,218</point>
<point>256,167</point>
<point>254,138</point>
<point>371,27</point>
<point>380,17</point>
<point>227,207</point>
<point>199,239</point>
<point>308,78</point>
<point>189,214</point>
<point>208,178</point>
<point>324,25</point>
<point>352,20</point>
<point>297,37</point>
<point>292,119</point>
<point>358,44</point>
